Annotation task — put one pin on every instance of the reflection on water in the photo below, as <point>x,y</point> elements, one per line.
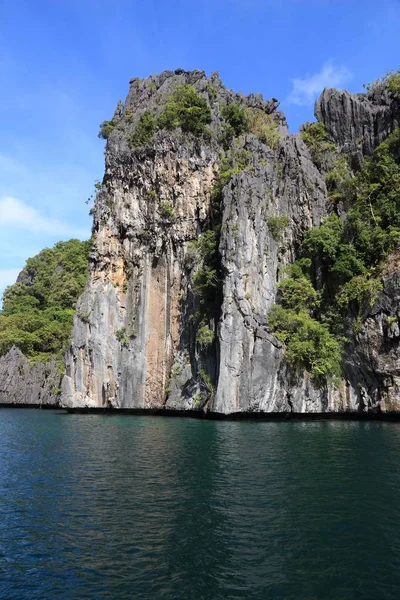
<point>96,507</point>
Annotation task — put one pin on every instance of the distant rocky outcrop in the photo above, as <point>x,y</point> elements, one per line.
<point>23,384</point>
<point>358,123</point>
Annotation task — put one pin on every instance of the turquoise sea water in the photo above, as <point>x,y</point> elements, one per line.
<point>95,507</point>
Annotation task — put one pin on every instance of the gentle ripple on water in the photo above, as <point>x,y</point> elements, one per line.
<point>96,507</point>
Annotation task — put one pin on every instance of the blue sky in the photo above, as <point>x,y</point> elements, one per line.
<point>65,63</point>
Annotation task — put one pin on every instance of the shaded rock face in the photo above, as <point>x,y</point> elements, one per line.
<point>21,383</point>
<point>358,123</point>
<point>372,366</point>
<point>134,338</point>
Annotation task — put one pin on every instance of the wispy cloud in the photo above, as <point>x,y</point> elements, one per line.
<point>306,89</point>
<point>16,214</point>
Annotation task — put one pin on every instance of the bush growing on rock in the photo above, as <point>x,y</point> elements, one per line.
<point>167,211</point>
<point>277,225</point>
<point>186,109</point>
<point>144,130</point>
<point>205,336</point>
<point>263,126</point>
<point>206,276</point>
<point>105,129</point>
<point>314,136</point>
<point>308,343</point>
<point>235,116</point>
<point>391,80</point>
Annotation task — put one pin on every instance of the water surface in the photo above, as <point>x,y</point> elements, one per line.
<point>115,507</point>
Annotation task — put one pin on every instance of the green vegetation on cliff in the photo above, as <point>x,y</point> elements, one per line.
<point>189,111</point>
<point>105,129</point>
<point>38,310</point>
<point>314,136</point>
<point>185,108</point>
<point>145,129</point>
<point>241,120</point>
<point>339,276</point>
<point>391,80</point>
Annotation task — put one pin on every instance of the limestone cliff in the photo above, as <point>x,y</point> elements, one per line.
<point>144,336</point>
<point>23,384</point>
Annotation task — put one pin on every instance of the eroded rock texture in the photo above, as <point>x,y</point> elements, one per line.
<point>358,123</point>
<point>21,383</point>
<point>134,339</point>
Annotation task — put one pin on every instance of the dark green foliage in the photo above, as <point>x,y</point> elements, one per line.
<point>235,116</point>
<point>323,241</point>
<point>105,129</point>
<point>339,180</point>
<point>144,130</point>
<point>357,244</point>
<point>186,109</point>
<point>206,277</point>
<point>373,223</point>
<point>250,120</point>
<point>308,343</point>
<point>314,135</point>
<point>297,291</point>
<point>393,83</point>
<point>361,289</point>
<point>205,381</point>
<point>212,92</point>
<point>37,315</point>
<point>348,254</point>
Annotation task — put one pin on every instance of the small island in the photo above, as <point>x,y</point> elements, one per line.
<point>234,268</point>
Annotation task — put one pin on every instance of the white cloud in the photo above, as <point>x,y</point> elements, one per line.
<point>306,89</point>
<point>18,215</point>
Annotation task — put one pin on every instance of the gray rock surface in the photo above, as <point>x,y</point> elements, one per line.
<point>372,365</point>
<point>21,383</point>
<point>358,123</point>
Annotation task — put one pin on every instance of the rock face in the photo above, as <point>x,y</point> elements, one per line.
<point>358,123</point>
<point>135,342</point>
<point>372,365</point>
<point>20,383</point>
